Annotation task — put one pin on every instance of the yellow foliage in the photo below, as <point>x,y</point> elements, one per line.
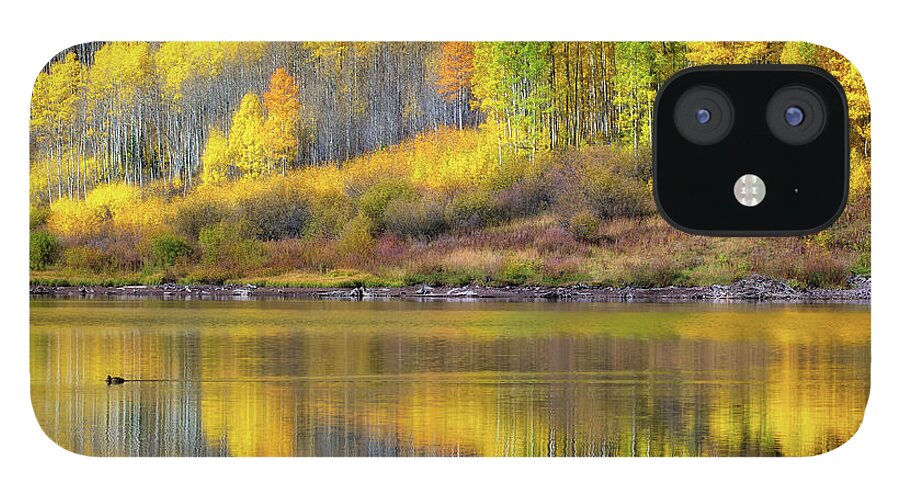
<point>448,159</point>
<point>445,159</point>
<point>120,71</point>
<point>442,160</point>
<point>45,168</point>
<point>857,97</point>
<point>356,240</point>
<point>304,183</point>
<point>246,142</point>
<point>799,53</point>
<point>40,103</point>
<point>178,63</point>
<point>246,188</point>
<point>320,181</point>
<point>331,55</point>
<point>733,52</point>
<point>147,216</point>
<point>122,206</point>
<point>454,159</point>
<point>177,183</point>
<point>38,180</point>
<point>282,102</point>
<point>363,172</point>
<point>245,53</point>
<point>215,158</point>
<point>822,239</point>
<point>860,175</point>
<point>55,96</point>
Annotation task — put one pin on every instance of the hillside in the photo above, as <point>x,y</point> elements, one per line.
<point>435,210</point>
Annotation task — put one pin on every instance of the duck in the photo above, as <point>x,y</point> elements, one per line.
<point>110,380</point>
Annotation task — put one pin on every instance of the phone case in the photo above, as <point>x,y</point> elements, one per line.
<point>418,249</point>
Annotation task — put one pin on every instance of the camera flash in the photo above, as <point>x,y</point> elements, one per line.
<point>750,190</point>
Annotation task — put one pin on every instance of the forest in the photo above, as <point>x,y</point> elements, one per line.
<point>387,164</point>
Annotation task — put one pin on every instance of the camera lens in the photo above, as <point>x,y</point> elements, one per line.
<point>703,115</point>
<point>796,115</point>
<point>793,116</point>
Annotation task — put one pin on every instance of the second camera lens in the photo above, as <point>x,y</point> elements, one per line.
<point>793,115</point>
<point>796,115</point>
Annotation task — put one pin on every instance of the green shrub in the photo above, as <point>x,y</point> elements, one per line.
<point>862,266</point>
<point>824,239</point>
<point>656,273</point>
<point>584,226</point>
<point>356,241</point>
<point>228,247</point>
<point>88,258</point>
<point>328,214</point>
<point>609,196</point>
<point>469,210</point>
<point>277,214</point>
<point>423,218</point>
<point>37,216</point>
<point>516,272</point>
<point>604,180</point>
<point>374,201</point>
<point>524,198</point>
<point>43,250</point>
<point>166,249</point>
<point>197,213</point>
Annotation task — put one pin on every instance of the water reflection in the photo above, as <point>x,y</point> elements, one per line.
<point>398,378</point>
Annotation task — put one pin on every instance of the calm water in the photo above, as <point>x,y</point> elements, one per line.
<point>403,378</point>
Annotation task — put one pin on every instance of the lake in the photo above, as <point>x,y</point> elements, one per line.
<point>403,378</point>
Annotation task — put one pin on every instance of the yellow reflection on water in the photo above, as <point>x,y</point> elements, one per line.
<point>276,378</point>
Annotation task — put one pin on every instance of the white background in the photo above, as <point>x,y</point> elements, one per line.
<point>35,467</point>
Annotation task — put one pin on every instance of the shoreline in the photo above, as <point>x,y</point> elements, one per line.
<point>751,289</point>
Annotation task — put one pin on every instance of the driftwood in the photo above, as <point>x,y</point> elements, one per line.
<point>753,288</point>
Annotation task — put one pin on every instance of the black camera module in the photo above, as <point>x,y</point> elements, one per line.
<point>751,150</point>
<point>704,115</point>
<point>796,115</point>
